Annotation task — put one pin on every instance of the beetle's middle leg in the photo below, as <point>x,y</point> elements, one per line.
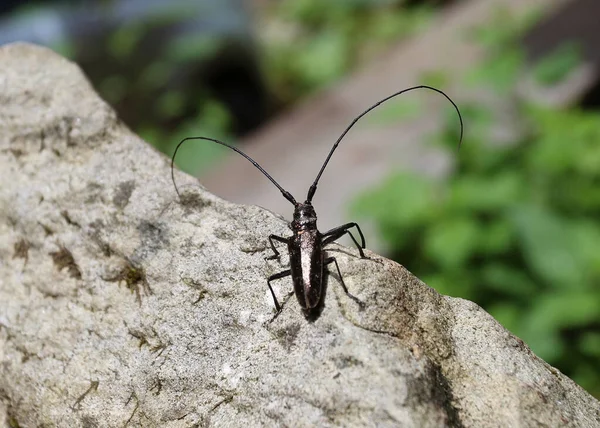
<point>278,239</point>
<point>273,277</point>
<point>337,232</point>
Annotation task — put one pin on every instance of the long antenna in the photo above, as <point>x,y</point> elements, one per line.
<point>313,188</point>
<point>287,195</point>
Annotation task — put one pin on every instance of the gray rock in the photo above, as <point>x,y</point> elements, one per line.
<point>121,306</point>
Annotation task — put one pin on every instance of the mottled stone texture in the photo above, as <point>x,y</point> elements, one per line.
<point>121,305</point>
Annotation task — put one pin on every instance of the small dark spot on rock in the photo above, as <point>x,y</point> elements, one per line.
<point>123,193</point>
<point>12,221</point>
<point>224,234</point>
<point>93,387</point>
<point>94,191</point>
<point>226,400</point>
<point>156,386</point>
<point>134,278</point>
<point>192,201</point>
<point>12,421</point>
<point>139,336</point>
<point>249,249</point>
<point>344,361</point>
<point>153,236</point>
<point>201,296</point>
<point>64,259</point>
<point>21,249</point>
<point>287,336</point>
<point>552,370</point>
<point>190,282</point>
<point>17,152</point>
<point>97,226</point>
<point>68,219</point>
<point>105,248</point>
<point>230,321</point>
<point>88,421</point>
<point>47,229</point>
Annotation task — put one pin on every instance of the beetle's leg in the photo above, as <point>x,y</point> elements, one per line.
<point>337,232</point>
<point>329,260</point>
<point>278,239</point>
<point>273,277</point>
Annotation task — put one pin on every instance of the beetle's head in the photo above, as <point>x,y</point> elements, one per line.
<point>304,216</point>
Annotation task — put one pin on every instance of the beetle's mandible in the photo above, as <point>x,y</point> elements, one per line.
<point>306,245</point>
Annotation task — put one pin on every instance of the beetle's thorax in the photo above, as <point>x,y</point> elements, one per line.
<point>304,217</point>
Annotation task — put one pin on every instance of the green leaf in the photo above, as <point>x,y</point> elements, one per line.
<point>548,246</point>
<point>123,42</point>
<point>567,140</point>
<point>404,199</point>
<point>507,314</point>
<point>586,374</point>
<point>509,281</point>
<point>114,88</point>
<point>587,236</point>
<point>170,104</point>
<point>500,72</point>
<point>451,285</point>
<point>435,78</point>
<point>553,68</point>
<point>323,58</point>
<point>394,112</point>
<point>193,47</point>
<point>546,344</point>
<point>201,155</point>
<point>399,206</point>
<point>590,344</point>
<point>388,25</point>
<point>560,310</point>
<point>486,194</point>
<point>156,74</point>
<point>497,237</point>
<point>553,312</point>
<point>505,28</point>
<point>450,242</point>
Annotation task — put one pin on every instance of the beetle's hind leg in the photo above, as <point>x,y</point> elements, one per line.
<point>329,260</point>
<point>337,232</point>
<point>278,239</point>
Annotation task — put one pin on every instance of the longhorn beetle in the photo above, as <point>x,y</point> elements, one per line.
<point>306,245</point>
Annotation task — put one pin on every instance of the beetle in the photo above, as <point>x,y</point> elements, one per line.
<point>306,245</point>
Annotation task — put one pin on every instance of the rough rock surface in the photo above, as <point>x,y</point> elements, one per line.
<point>122,306</point>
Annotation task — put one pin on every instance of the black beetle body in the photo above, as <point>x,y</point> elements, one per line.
<point>306,257</point>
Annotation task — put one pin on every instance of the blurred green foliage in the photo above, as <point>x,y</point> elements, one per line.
<point>303,45</point>
<point>308,44</point>
<point>515,227</point>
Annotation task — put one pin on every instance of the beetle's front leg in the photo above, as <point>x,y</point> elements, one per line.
<point>278,239</point>
<point>337,232</point>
